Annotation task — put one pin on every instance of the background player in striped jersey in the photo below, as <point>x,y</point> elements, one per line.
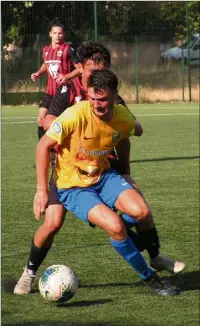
<point>59,61</point>
<point>92,55</point>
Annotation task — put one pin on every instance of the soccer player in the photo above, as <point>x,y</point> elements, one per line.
<point>92,55</point>
<point>86,185</point>
<point>59,60</point>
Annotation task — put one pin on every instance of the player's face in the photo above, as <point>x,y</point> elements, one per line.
<point>56,34</point>
<point>102,103</point>
<point>87,68</point>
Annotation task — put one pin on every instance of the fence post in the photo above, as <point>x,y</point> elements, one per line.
<point>188,61</point>
<point>3,70</point>
<point>182,74</point>
<point>95,22</point>
<point>136,70</point>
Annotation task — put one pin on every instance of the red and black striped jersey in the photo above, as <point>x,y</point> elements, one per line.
<point>57,60</point>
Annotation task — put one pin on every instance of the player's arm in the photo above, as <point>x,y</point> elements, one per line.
<point>42,168</point>
<point>58,105</point>
<point>138,129</point>
<point>38,73</point>
<point>73,73</point>
<point>71,55</point>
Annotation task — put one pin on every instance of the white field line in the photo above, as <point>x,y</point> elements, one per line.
<point>165,114</point>
<point>10,118</point>
<point>138,115</point>
<point>157,107</point>
<point>18,122</point>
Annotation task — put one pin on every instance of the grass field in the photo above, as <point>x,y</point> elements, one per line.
<point>164,162</point>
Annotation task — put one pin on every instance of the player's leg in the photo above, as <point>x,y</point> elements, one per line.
<point>148,239</point>
<point>42,241</point>
<point>87,204</point>
<point>128,200</point>
<point>43,109</point>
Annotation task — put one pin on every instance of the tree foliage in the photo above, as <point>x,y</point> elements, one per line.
<point>116,19</point>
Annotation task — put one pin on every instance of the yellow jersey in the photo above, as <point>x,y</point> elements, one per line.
<point>85,142</point>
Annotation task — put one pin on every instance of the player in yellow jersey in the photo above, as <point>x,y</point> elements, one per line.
<point>86,185</point>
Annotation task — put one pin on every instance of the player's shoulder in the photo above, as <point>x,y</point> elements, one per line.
<point>123,112</point>
<point>80,107</point>
<point>79,111</point>
<point>120,108</point>
<point>46,47</point>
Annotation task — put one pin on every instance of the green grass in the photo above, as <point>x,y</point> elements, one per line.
<point>166,167</point>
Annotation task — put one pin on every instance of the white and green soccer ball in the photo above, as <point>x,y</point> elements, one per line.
<point>58,283</point>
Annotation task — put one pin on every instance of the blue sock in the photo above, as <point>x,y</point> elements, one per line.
<point>130,253</point>
<point>131,221</point>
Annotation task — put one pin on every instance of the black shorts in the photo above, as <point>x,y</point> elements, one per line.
<point>117,166</point>
<point>45,101</point>
<point>53,197</point>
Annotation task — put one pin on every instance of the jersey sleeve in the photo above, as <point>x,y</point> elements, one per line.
<point>63,126</point>
<point>59,101</point>
<point>72,55</point>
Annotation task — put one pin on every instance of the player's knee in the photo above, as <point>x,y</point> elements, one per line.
<point>117,229</point>
<point>52,227</point>
<point>53,223</point>
<point>141,213</point>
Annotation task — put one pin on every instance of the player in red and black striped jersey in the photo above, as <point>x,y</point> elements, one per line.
<point>59,61</point>
<point>91,56</point>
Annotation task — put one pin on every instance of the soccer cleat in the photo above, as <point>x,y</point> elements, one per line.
<point>160,263</point>
<point>159,287</point>
<point>24,285</point>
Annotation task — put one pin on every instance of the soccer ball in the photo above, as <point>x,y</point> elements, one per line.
<point>58,283</point>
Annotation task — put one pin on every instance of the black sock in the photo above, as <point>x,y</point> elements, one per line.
<point>136,239</point>
<point>41,132</point>
<point>36,257</point>
<point>150,241</point>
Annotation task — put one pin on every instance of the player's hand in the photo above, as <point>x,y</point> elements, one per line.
<point>35,76</point>
<point>60,78</point>
<point>40,203</point>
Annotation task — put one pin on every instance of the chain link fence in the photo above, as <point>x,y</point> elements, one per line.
<point>154,46</point>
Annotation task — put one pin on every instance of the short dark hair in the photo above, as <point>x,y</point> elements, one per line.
<point>94,51</point>
<point>103,80</point>
<point>57,25</point>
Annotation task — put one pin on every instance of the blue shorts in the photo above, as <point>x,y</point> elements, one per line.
<point>80,201</point>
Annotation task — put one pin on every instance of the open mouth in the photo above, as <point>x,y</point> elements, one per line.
<point>100,110</point>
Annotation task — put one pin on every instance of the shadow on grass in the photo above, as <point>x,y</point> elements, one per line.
<point>185,282</point>
<point>68,323</point>
<point>165,159</point>
<point>85,303</point>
